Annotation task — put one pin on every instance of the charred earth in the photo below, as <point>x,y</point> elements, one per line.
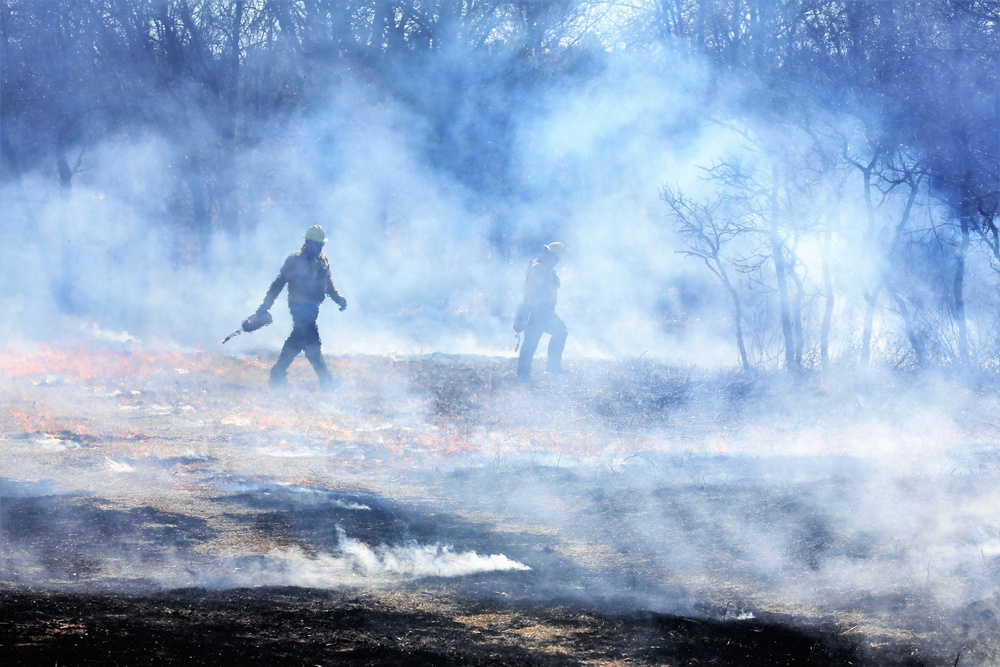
<point>164,507</point>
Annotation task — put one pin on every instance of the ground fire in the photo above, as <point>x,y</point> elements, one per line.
<point>161,505</point>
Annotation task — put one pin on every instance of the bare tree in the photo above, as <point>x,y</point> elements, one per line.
<point>706,230</point>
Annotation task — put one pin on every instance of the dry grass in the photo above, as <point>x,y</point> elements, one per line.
<point>823,502</point>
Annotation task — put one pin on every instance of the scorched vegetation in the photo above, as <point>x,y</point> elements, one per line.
<point>433,511</point>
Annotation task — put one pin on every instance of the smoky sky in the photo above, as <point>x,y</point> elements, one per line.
<point>409,245</point>
<point>414,247</point>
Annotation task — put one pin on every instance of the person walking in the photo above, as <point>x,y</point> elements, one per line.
<point>541,285</point>
<point>307,275</point>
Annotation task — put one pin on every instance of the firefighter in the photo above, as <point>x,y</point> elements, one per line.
<point>540,287</point>
<point>307,274</point>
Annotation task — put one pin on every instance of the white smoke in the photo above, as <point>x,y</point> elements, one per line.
<point>421,560</point>
<point>358,564</point>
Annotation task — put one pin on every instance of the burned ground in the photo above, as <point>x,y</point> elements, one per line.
<point>425,627</point>
<point>165,507</point>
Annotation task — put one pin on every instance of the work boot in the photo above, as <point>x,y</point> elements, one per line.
<point>277,380</point>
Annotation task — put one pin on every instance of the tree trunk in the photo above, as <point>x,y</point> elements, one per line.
<point>200,217</point>
<point>229,200</point>
<point>824,334</point>
<point>796,308</point>
<point>62,164</point>
<point>958,287</point>
<point>386,35</point>
<point>778,257</point>
<point>904,311</point>
<point>911,330</point>
<point>871,297</point>
<point>785,303</point>
<point>737,313</point>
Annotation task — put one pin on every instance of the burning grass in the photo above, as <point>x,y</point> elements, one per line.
<point>630,513</point>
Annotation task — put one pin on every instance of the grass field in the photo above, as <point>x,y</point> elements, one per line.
<point>156,503</point>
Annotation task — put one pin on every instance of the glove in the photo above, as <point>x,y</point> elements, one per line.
<point>343,305</point>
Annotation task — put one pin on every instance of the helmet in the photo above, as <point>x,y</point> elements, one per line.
<point>315,233</point>
<point>556,248</point>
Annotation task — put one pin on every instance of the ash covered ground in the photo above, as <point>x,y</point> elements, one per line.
<point>164,506</point>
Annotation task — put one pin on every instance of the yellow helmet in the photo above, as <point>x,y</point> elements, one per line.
<point>556,248</point>
<point>315,233</point>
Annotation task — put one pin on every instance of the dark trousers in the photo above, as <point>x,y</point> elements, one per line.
<point>540,323</point>
<point>304,338</point>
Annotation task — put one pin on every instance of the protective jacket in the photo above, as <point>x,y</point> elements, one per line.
<point>541,286</point>
<point>309,282</point>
